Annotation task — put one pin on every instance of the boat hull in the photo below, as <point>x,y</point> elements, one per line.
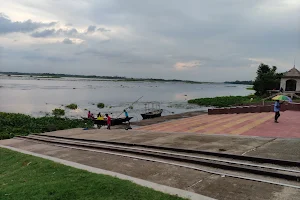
<point>150,115</point>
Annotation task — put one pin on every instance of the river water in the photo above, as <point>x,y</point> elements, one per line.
<point>38,97</point>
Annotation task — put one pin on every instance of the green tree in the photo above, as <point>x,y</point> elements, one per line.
<point>267,79</point>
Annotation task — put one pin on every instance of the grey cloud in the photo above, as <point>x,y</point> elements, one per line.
<point>8,26</point>
<point>122,57</point>
<point>67,41</point>
<point>103,30</point>
<point>60,59</point>
<point>40,57</point>
<point>69,32</point>
<point>101,53</point>
<point>53,33</point>
<point>222,35</point>
<point>91,29</point>
<point>44,33</point>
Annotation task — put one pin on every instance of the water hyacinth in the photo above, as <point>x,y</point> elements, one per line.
<point>12,124</point>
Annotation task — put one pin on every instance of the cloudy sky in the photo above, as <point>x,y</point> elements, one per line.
<point>201,40</point>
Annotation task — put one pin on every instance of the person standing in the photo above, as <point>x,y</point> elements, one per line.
<point>108,121</point>
<point>126,114</point>
<point>277,110</point>
<point>127,119</point>
<point>99,116</point>
<point>281,90</point>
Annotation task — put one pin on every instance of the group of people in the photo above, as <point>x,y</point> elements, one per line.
<point>100,117</point>
<point>108,118</point>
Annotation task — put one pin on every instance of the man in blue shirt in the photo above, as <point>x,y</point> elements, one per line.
<point>127,119</point>
<point>277,110</point>
<point>126,113</point>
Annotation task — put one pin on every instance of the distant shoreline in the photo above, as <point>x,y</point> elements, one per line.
<point>111,78</point>
<point>97,78</point>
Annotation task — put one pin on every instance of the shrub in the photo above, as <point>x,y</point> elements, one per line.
<point>12,124</point>
<point>100,105</point>
<point>72,106</point>
<point>58,112</point>
<point>225,101</point>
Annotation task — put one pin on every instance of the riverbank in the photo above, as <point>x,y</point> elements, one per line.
<point>12,124</point>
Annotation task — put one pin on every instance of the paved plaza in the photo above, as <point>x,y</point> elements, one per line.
<point>253,124</point>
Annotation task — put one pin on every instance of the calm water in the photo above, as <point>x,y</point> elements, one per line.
<point>38,97</point>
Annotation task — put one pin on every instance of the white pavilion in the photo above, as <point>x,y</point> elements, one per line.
<point>290,82</point>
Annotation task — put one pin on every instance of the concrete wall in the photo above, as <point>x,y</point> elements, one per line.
<point>283,83</point>
<point>253,109</point>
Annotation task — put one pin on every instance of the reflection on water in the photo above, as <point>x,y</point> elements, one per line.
<point>38,97</point>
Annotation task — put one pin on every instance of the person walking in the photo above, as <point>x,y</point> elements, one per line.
<point>108,121</point>
<point>277,110</point>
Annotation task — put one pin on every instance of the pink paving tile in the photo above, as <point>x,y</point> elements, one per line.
<point>229,120</point>
<point>178,124</point>
<point>171,123</point>
<point>190,125</point>
<point>227,128</point>
<point>244,123</point>
<point>288,126</point>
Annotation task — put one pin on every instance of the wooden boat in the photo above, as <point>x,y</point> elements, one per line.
<point>152,114</point>
<point>152,110</point>
<point>114,121</point>
<point>85,118</point>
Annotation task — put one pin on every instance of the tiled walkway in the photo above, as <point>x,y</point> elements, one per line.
<point>255,124</point>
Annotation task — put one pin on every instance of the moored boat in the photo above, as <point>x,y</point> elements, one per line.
<point>152,114</point>
<point>152,110</point>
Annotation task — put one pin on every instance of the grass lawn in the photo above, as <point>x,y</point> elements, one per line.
<point>27,177</point>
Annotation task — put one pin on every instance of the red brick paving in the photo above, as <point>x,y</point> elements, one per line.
<point>253,124</point>
<point>288,126</point>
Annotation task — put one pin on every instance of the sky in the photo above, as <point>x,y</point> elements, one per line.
<point>200,40</point>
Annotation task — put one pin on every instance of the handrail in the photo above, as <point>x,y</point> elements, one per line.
<point>269,97</point>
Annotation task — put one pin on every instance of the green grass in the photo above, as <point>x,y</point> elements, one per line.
<point>225,101</point>
<point>12,124</point>
<point>100,105</point>
<point>24,177</point>
<point>250,88</point>
<point>72,106</point>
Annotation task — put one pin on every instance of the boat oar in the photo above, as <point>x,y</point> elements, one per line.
<point>130,105</point>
